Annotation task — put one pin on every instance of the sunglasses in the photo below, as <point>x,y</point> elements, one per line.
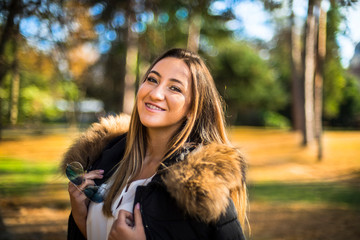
<point>75,173</point>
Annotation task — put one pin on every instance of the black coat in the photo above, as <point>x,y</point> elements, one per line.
<point>164,214</point>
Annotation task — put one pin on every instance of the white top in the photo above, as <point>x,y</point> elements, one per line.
<point>98,226</point>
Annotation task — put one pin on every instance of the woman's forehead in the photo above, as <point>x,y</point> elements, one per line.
<point>171,66</point>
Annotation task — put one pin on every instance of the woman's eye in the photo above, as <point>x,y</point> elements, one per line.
<point>151,79</point>
<point>176,89</point>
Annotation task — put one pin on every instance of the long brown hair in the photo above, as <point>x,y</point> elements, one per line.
<point>205,125</point>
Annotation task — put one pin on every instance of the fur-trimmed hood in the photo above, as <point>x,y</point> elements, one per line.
<point>88,147</point>
<point>201,184</point>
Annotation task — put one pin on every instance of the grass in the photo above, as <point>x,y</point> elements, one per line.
<point>331,194</point>
<point>20,177</point>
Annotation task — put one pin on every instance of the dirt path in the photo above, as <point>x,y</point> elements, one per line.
<point>299,222</point>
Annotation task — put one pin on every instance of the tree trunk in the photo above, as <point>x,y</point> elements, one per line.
<point>297,86</point>
<point>131,63</point>
<point>194,33</point>
<point>15,93</point>
<point>8,32</point>
<point>309,72</point>
<point>321,52</point>
<point>6,35</point>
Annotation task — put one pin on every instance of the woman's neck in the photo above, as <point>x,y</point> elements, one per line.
<point>157,145</point>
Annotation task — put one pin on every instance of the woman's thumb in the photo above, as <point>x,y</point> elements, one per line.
<point>137,216</point>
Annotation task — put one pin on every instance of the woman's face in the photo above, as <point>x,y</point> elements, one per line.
<point>164,98</point>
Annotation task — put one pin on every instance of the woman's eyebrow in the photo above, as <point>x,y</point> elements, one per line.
<point>155,72</point>
<point>175,80</point>
<point>171,79</point>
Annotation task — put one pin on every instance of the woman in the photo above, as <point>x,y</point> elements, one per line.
<point>176,177</point>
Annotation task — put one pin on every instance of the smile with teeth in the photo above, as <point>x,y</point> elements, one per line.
<point>153,107</point>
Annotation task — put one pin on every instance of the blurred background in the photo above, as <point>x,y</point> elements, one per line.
<point>289,72</point>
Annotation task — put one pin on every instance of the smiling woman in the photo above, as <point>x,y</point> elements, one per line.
<point>164,97</point>
<point>173,173</point>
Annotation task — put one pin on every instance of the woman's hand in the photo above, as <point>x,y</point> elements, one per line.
<point>127,226</point>
<point>78,200</point>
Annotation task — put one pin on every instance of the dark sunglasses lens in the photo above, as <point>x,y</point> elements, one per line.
<point>94,193</point>
<point>75,173</point>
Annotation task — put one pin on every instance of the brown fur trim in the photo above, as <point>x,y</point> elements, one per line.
<point>203,182</point>
<point>88,147</point>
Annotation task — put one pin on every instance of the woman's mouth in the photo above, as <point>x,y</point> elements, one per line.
<point>153,107</point>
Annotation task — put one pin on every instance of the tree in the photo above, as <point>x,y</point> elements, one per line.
<point>309,71</point>
<point>319,76</point>
<point>297,86</point>
<point>246,82</point>
<point>17,13</point>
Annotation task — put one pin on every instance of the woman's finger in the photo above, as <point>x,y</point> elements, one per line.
<point>137,216</point>
<point>95,174</point>
<point>73,190</point>
<point>86,183</point>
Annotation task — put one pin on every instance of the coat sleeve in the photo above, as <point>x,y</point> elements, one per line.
<point>228,226</point>
<point>73,230</point>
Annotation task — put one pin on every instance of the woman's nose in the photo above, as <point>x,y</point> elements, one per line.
<point>157,93</point>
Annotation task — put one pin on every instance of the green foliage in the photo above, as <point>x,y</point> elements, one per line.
<point>245,80</point>
<point>334,83</point>
<point>334,80</point>
<point>69,90</point>
<point>349,107</point>
<point>274,119</point>
<point>37,103</point>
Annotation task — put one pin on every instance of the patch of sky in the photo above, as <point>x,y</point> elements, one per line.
<point>44,45</point>
<point>145,17</point>
<point>110,35</point>
<point>351,35</point>
<point>99,28</point>
<point>163,18</point>
<point>59,33</point>
<point>233,25</point>
<point>2,18</point>
<point>347,50</point>
<point>217,8</point>
<point>38,34</point>
<point>43,8</point>
<point>182,13</point>
<point>104,47</point>
<point>256,21</point>
<point>55,9</point>
<point>138,27</point>
<point>97,9</point>
<point>17,19</point>
<point>119,20</point>
<point>44,31</point>
<point>300,8</point>
<point>29,27</point>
